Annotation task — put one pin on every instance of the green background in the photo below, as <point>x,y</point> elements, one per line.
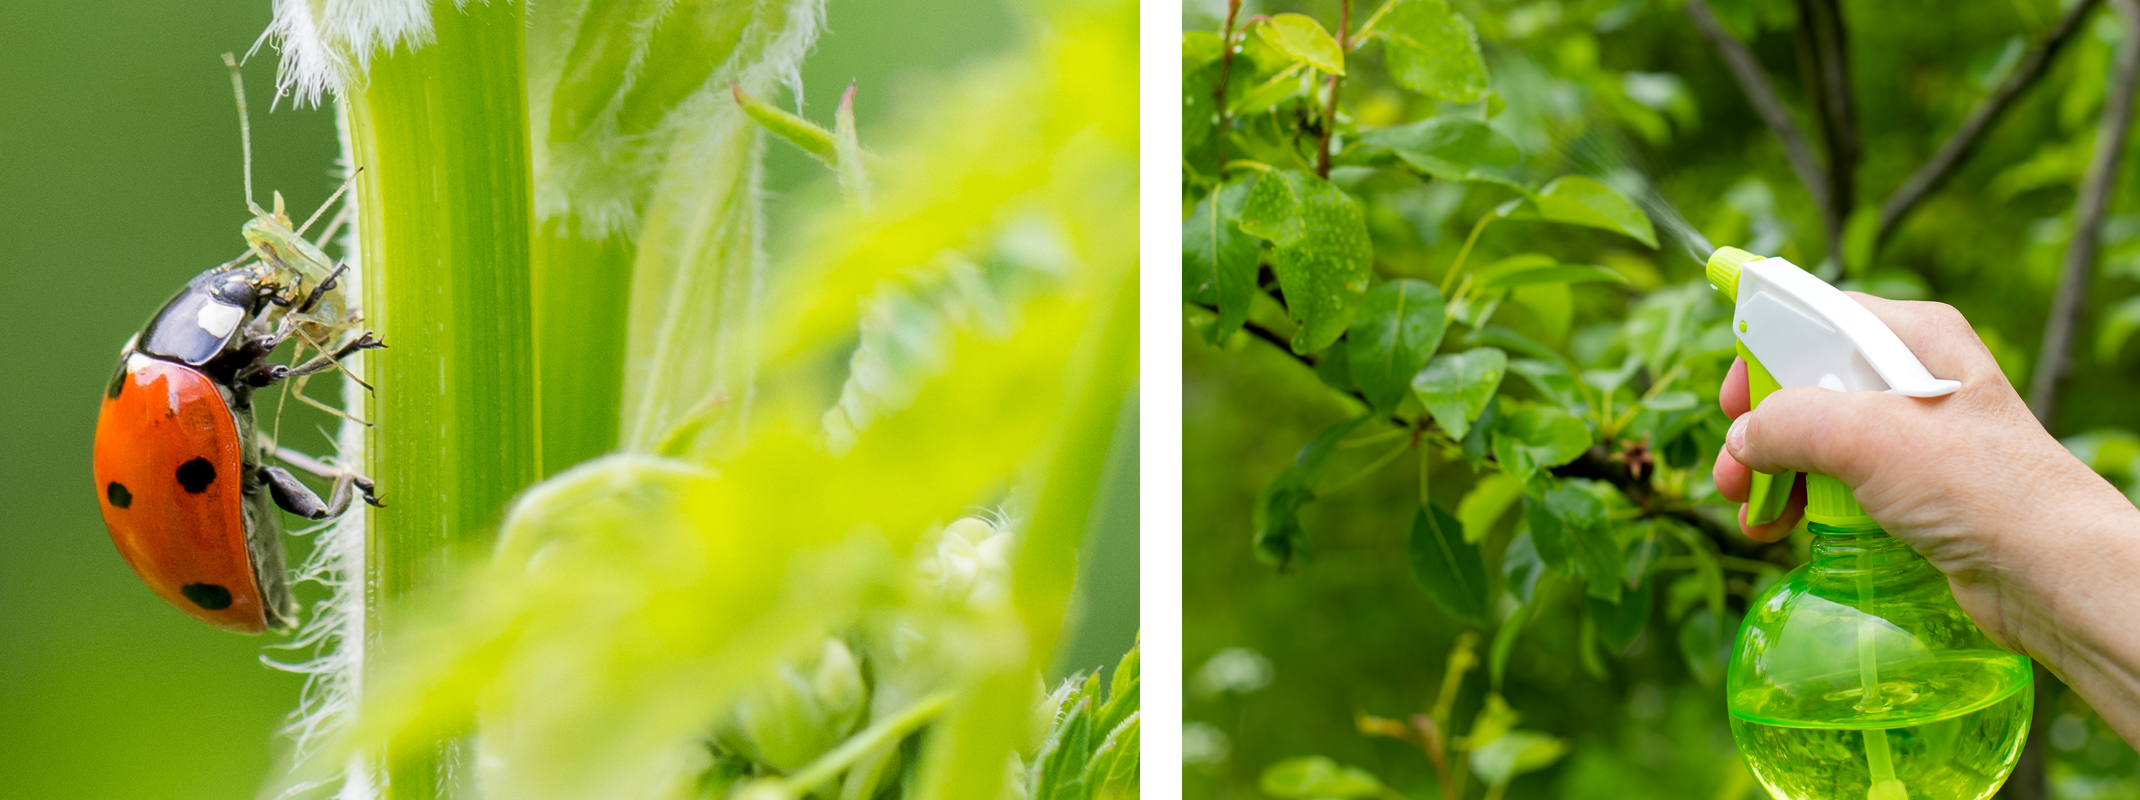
<point>119,180</point>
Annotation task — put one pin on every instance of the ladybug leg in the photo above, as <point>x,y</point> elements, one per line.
<point>293,496</point>
<point>270,374</point>
<point>313,300</point>
<point>320,469</point>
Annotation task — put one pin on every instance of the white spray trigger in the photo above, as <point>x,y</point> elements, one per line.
<point>1808,333</point>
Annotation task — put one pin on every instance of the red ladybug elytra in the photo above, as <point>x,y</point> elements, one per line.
<point>181,473</point>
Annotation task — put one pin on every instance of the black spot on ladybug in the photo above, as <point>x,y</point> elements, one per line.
<point>118,495</point>
<point>118,381</point>
<point>195,475</point>
<point>207,595</point>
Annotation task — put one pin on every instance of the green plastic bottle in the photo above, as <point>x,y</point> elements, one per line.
<point>1857,676</point>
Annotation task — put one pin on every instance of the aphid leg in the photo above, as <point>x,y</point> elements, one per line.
<point>297,498</point>
<point>313,300</point>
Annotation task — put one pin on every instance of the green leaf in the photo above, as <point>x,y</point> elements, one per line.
<point>1495,719</point>
<point>1505,636</point>
<point>1279,535</point>
<point>1397,328</point>
<point>1521,566</point>
<point>1480,438</point>
<point>1450,148</point>
<point>1455,386</point>
<point>1483,506</point>
<point>1199,110</point>
<point>1549,536</point>
<point>1589,544</point>
<point>1672,401</point>
<point>1313,777</point>
<point>1300,36</point>
<point>1579,200</point>
<point>1199,48</point>
<point>1551,303</point>
<point>1619,623</point>
<point>1219,261</point>
<point>1549,378</point>
<point>797,131</point>
<point>1515,753</point>
<point>2119,324</point>
<point>1322,253</point>
<point>1555,273</point>
<point>1447,565</point>
<point>1657,330</point>
<point>1706,645</point>
<point>1433,50</point>
<point>1547,436</point>
<point>1334,369</point>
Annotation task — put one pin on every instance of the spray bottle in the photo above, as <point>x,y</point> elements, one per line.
<point>1856,676</point>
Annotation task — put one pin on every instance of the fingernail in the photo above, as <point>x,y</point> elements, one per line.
<point>1736,437</point>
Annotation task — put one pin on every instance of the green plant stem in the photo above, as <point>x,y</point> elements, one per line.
<point>883,731</point>
<point>1379,462</point>
<point>440,133</point>
<point>582,292</point>
<point>1457,267</point>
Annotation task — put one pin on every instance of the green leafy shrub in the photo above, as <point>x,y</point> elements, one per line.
<point>1452,391</point>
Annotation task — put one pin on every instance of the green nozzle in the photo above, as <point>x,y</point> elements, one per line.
<point>1724,269</point>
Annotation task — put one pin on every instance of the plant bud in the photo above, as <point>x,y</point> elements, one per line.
<point>970,561</point>
<point>802,712</point>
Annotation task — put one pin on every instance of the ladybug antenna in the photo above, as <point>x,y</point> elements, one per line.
<point>245,130</point>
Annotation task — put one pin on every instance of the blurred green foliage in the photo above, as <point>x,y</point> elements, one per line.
<point>1566,418</point>
<point>120,181</point>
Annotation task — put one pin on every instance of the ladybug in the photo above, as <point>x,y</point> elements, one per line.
<point>181,471</point>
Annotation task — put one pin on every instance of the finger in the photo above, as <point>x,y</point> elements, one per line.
<point>1733,479</point>
<point>1939,335</point>
<point>1845,434</point>
<point>1734,396</point>
<point>1781,527</point>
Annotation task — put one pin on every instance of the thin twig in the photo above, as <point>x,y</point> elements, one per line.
<point>1218,94</point>
<point>2097,185</point>
<point>1823,35</point>
<point>1987,111</point>
<point>1322,147</point>
<point>1595,463</point>
<point>1747,71</point>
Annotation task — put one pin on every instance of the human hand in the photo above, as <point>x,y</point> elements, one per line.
<point>1970,480</point>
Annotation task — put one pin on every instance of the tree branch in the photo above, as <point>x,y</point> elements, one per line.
<point>1594,464</point>
<point>1747,71</point>
<point>1834,102</point>
<point>1987,111</point>
<point>2055,358</point>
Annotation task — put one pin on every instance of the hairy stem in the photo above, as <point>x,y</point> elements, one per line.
<point>440,133</point>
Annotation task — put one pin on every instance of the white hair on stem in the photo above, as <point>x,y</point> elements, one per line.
<point>333,631</point>
<point>329,44</point>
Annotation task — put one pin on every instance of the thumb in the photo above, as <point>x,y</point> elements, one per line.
<point>1845,435</point>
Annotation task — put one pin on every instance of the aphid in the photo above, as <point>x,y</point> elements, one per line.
<point>181,471</point>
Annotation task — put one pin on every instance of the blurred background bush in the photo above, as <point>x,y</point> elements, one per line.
<point>1281,661</point>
